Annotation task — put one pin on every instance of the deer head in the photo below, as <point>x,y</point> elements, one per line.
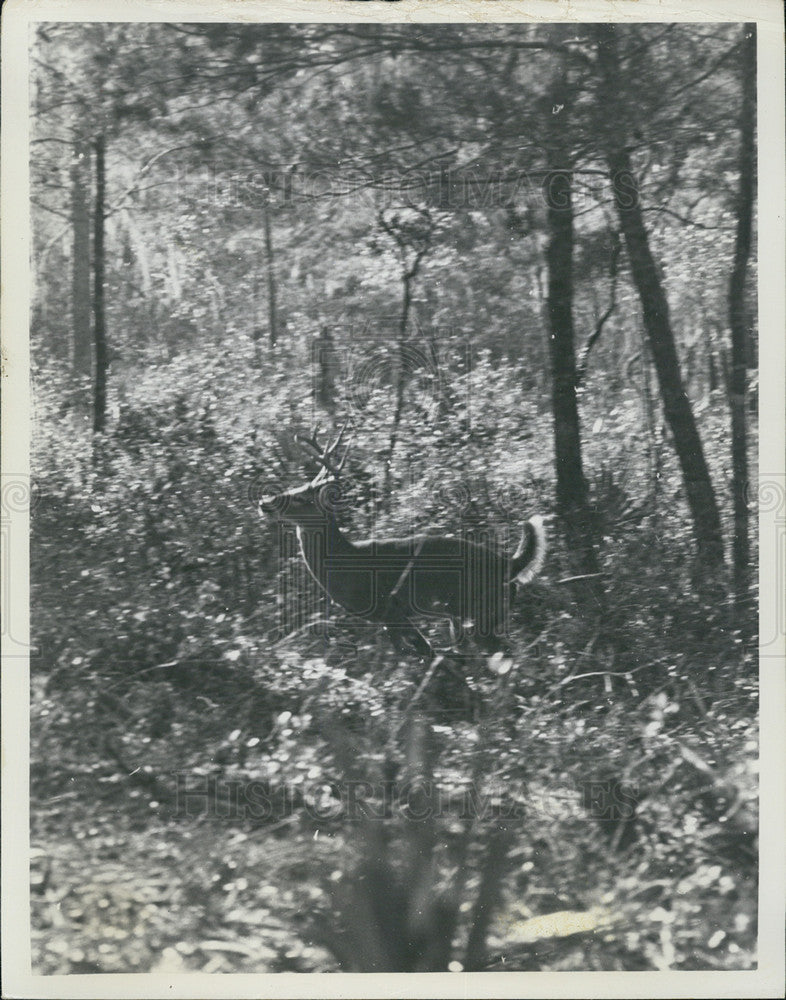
<point>314,502</point>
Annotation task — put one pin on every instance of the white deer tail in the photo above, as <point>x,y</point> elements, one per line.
<point>528,558</point>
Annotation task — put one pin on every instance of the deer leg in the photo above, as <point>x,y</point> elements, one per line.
<point>404,634</point>
<point>407,639</point>
<point>454,696</point>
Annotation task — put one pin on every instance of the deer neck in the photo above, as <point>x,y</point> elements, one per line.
<point>319,541</point>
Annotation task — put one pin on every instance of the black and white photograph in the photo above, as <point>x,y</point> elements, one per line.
<point>393,500</point>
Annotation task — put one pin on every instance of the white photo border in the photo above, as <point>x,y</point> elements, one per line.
<point>18,981</point>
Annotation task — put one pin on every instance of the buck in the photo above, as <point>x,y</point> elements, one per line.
<point>399,581</point>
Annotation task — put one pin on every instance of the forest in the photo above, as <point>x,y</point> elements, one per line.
<point>513,268</point>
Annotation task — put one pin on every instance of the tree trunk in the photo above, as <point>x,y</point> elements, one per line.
<point>271,277</point>
<point>81,354</point>
<point>325,369</point>
<point>676,405</point>
<point>571,484</point>
<point>408,275</point>
<point>737,318</point>
<point>401,376</point>
<point>99,327</point>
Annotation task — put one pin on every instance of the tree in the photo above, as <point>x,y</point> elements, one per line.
<point>737,316</point>
<point>80,263</point>
<point>270,271</point>
<point>571,487</point>
<point>612,121</point>
<point>99,323</point>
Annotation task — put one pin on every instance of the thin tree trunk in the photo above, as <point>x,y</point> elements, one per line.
<point>325,369</point>
<point>99,327</point>
<point>407,277</point>
<point>271,277</point>
<point>712,370</point>
<point>571,484</point>
<point>257,329</point>
<point>81,355</point>
<point>401,373</point>
<point>737,318</point>
<point>676,405</point>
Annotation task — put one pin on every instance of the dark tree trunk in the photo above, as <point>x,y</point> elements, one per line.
<point>401,378</point>
<point>325,369</point>
<point>99,327</point>
<point>408,275</point>
<point>676,405</point>
<point>271,278</point>
<point>740,331</point>
<point>571,484</point>
<point>81,355</point>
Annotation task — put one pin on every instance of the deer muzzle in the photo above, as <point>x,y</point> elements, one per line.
<point>272,504</point>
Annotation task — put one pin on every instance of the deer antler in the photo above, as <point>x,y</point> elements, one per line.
<point>325,455</point>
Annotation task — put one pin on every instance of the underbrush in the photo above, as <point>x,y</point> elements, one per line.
<point>637,805</point>
<point>214,767</point>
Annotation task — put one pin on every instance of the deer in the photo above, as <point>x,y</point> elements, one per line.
<point>396,582</point>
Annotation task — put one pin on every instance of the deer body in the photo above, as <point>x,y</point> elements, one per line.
<point>397,581</point>
<point>418,576</point>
